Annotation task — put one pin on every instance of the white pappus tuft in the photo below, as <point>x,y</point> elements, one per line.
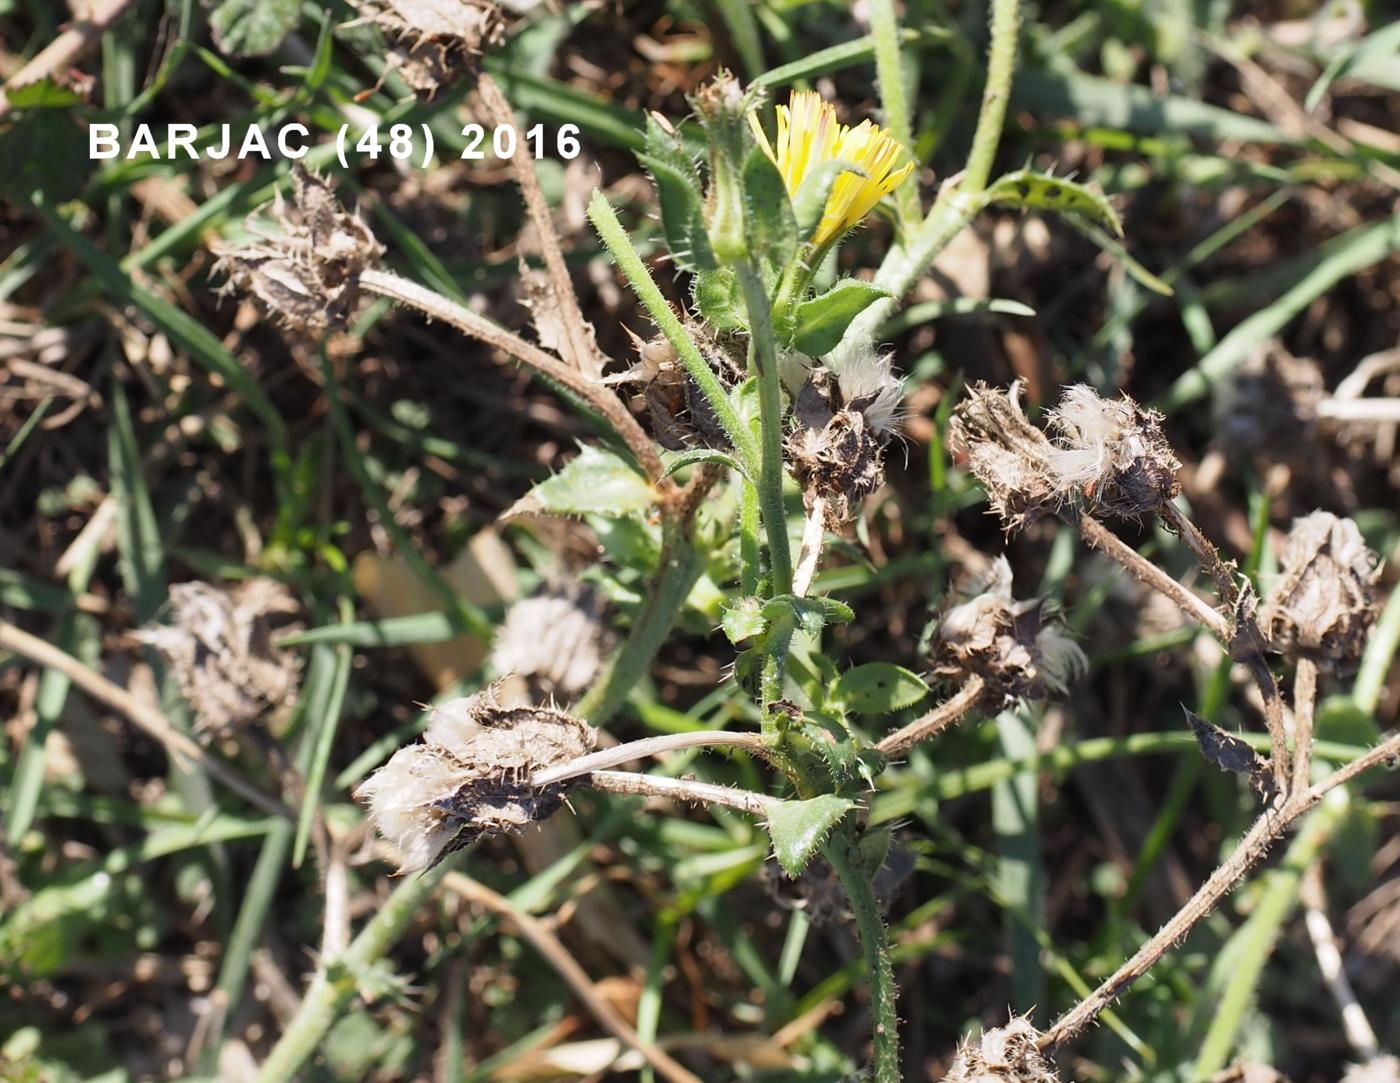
<point>868,383</point>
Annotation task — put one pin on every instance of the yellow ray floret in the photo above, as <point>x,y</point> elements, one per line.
<point>809,135</point>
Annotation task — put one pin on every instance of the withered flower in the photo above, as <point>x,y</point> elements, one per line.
<point>681,416</point>
<point>1111,453</point>
<point>434,43</point>
<point>1268,405</point>
<point>307,272</point>
<point>845,409</point>
<point>1006,453</point>
<point>1019,649</point>
<point>1325,600</point>
<point>556,640</point>
<point>1108,455</point>
<point>219,647</point>
<point>470,775</point>
<point>1008,1054</point>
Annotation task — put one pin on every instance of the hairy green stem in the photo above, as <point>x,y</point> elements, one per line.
<point>845,858</point>
<point>605,221</point>
<point>681,565</point>
<point>961,198</point>
<point>1001,65</point>
<point>889,68</point>
<point>338,979</point>
<point>764,361</point>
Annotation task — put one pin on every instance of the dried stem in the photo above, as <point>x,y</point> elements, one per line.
<point>645,749</point>
<point>935,721</point>
<point>1250,850</point>
<point>813,530</point>
<point>431,304</point>
<point>558,957</point>
<point>61,53</point>
<point>1099,537</point>
<point>1304,707</point>
<point>578,347</point>
<point>143,716</point>
<point>1247,642</point>
<point>1359,1032</point>
<point>680,789</point>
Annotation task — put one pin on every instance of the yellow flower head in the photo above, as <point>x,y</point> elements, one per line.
<point>809,135</point>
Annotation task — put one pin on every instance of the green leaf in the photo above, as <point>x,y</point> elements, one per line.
<point>1039,191</point>
<point>252,27</point>
<point>772,226</point>
<point>813,614</point>
<point>701,455</point>
<point>823,320</point>
<point>43,93</point>
<point>798,828</point>
<point>880,688</point>
<point>682,214</point>
<point>716,295</point>
<point>594,482</point>
<point>743,620</point>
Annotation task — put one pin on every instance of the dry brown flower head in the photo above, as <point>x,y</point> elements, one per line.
<point>219,647</point>
<point>556,640</point>
<point>307,272</point>
<point>470,775</point>
<point>434,43</point>
<point>1009,1054</point>
<point>1325,600</point>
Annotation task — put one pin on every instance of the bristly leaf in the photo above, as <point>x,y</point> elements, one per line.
<point>812,613</point>
<point>253,27</point>
<point>743,620</point>
<point>772,227</point>
<point>1039,191</point>
<point>702,455</point>
<point>717,297</point>
<point>594,482</point>
<point>682,215</point>
<point>799,828</point>
<point>822,321</point>
<point>1229,753</point>
<point>880,688</point>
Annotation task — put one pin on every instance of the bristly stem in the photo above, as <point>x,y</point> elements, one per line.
<point>846,861</point>
<point>763,355</point>
<point>1001,66</point>
<point>602,399</point>
<point>681,565</point>
<point>889,68</point>
<point>946,714</point>
<point>605,221</point>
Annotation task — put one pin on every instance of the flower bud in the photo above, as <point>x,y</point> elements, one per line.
<point>470,776</point>
<point>306,274</point>
<point>723,107</point>
<point>1325,600</point>
<point>1019,649</point>
<point>1009,1054</point>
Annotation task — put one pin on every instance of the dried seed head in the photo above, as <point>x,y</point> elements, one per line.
<point>845,410</point>
<point>1020,649</point>
<point>470,775</point>
<point>555,640</point>
<point>1112,453</point>
<point>434,43</point>
<point>1008,1054</point>
<point>219,646</point>
<point>681,415</point>
<point>1380,1069</point>
<point>1006,453</point>
<point>866,382</point>
<point>1268,406</point>
<point>1325,600</point>
<point>307,273</point>
<point>839,464</point>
